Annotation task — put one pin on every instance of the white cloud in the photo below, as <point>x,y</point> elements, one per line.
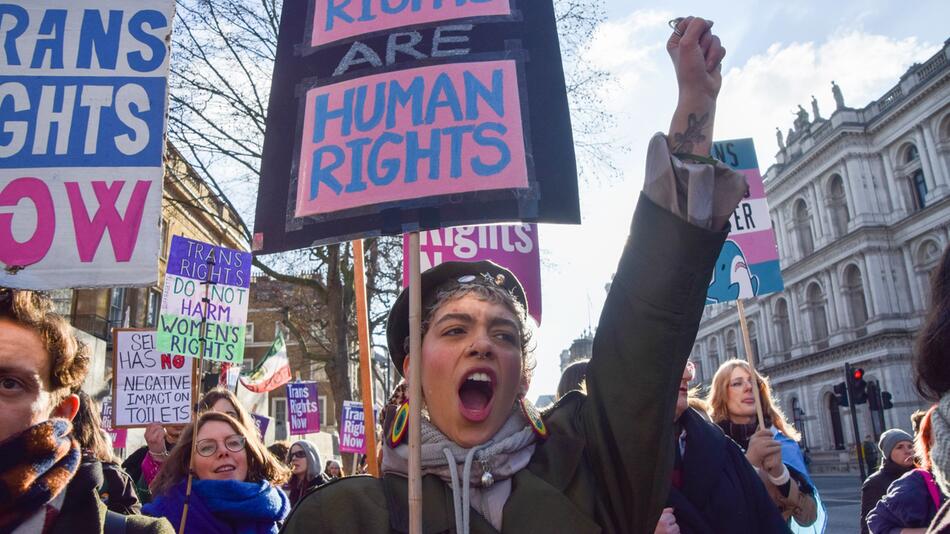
<point>762,94</point>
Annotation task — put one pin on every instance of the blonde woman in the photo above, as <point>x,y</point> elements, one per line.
<point>773,450</point>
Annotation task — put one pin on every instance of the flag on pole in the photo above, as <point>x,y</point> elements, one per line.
<point>273,371</point>
<point>228,378</point>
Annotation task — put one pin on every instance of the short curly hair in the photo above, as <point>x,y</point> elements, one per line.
<point>495,295</point>
<point>69,357</point>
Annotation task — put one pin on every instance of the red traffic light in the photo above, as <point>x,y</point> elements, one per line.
<point>858,374</point>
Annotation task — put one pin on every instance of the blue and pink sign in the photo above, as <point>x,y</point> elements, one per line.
<point>83,100</point>
<point>303,408</point>
<point>748,264</point>
<point>513,246</point>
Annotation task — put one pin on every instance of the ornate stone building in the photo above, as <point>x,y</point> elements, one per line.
<point>860,202</point>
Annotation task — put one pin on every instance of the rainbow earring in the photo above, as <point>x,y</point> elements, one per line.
<point>400,422</point>
<point>533,416</point>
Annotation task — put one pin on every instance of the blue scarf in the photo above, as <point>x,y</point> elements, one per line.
<point>792,457</point>
<point>223,507</point>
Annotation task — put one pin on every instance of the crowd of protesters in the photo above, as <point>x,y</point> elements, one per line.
<point>621,450</point>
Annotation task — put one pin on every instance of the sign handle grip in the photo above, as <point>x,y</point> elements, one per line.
<point>196,396</point>
<point>415,386</point>
<point>366,365</point>
<point>747,347</point>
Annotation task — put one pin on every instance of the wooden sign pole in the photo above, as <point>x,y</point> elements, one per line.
<point>196,392</point>
<point>366,363</point>
<point>415,387</point>
<point>747,345</point>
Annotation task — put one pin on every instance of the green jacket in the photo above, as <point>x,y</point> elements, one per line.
<point>607,463</point>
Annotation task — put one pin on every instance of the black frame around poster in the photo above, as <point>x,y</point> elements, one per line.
<point>528,35</point>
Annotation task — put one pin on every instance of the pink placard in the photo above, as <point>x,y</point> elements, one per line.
<point>334,20</point>
<point>413,133</point>
<point>513,246</point>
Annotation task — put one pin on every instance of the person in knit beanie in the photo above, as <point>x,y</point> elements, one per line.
<point>897,458</point>
<point>932,370</point>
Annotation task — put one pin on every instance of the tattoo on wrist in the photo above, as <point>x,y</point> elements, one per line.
<point>684,142</point>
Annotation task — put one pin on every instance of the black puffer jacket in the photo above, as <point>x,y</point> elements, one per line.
<point>876,486</point>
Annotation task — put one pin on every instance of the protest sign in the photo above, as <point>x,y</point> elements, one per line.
<point>353,436</point>
<point>748,264</point>
<point>118,435</point>
<point>190,264</point>
<point>83,94</point>
<point>392,118</point>
<point>149,386</point>
<point>303,410</point>
<point>513,246</point>
<point>261,422</point>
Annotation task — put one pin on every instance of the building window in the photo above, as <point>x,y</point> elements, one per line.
<point>919,189</point>
<point>323,411</point>
<point>249,333</point>
<point>62,300</point>
<point>154,307</point>
<point>731,347</point>
<point>911,154</point>
<point>927,259</point>
<point>783,331</point>
<point>713,350</point>
<point>754,342</point>
<point>798,419</point>
<point>116,307</point>
<point>279,413</point>
<point>854,293</point>
<point>840,215</point>
<point>806,241</point>
<point>816,312</point>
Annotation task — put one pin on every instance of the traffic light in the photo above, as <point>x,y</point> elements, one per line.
<point>841,393</point>
<point>859,388</point>
<point>874,397</point>
<point>886,400</point>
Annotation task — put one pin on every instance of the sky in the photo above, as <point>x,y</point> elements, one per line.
<point>778,55</point>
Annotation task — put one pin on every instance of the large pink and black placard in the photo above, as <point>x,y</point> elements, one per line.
<point>389,116</point>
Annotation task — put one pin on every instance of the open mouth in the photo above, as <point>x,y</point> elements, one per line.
<point>225,469</point>
<point>476,393</point>
<point>740,265</point>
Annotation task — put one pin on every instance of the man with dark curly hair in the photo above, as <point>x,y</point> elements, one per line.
<point>41,365</point>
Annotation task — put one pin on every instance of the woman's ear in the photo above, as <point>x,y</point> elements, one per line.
<point>405,367</point>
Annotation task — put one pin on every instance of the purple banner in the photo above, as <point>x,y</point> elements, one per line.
<point>189,259</point>
<point>353,436</point>
<point>262,422</point>
<point>303,408</point>
<point>513,246</point>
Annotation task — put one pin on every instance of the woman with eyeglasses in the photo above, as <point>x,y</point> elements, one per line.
<point>234,490</point>
<point>773,451</point>
<point>216,400</point>
<point>305,465</point>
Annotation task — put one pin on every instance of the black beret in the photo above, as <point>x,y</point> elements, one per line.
<point>445,276</point>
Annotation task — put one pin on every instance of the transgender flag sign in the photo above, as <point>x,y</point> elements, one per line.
<point>748,264</point>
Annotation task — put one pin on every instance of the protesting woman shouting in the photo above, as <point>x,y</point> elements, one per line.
<point>597,462</point>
